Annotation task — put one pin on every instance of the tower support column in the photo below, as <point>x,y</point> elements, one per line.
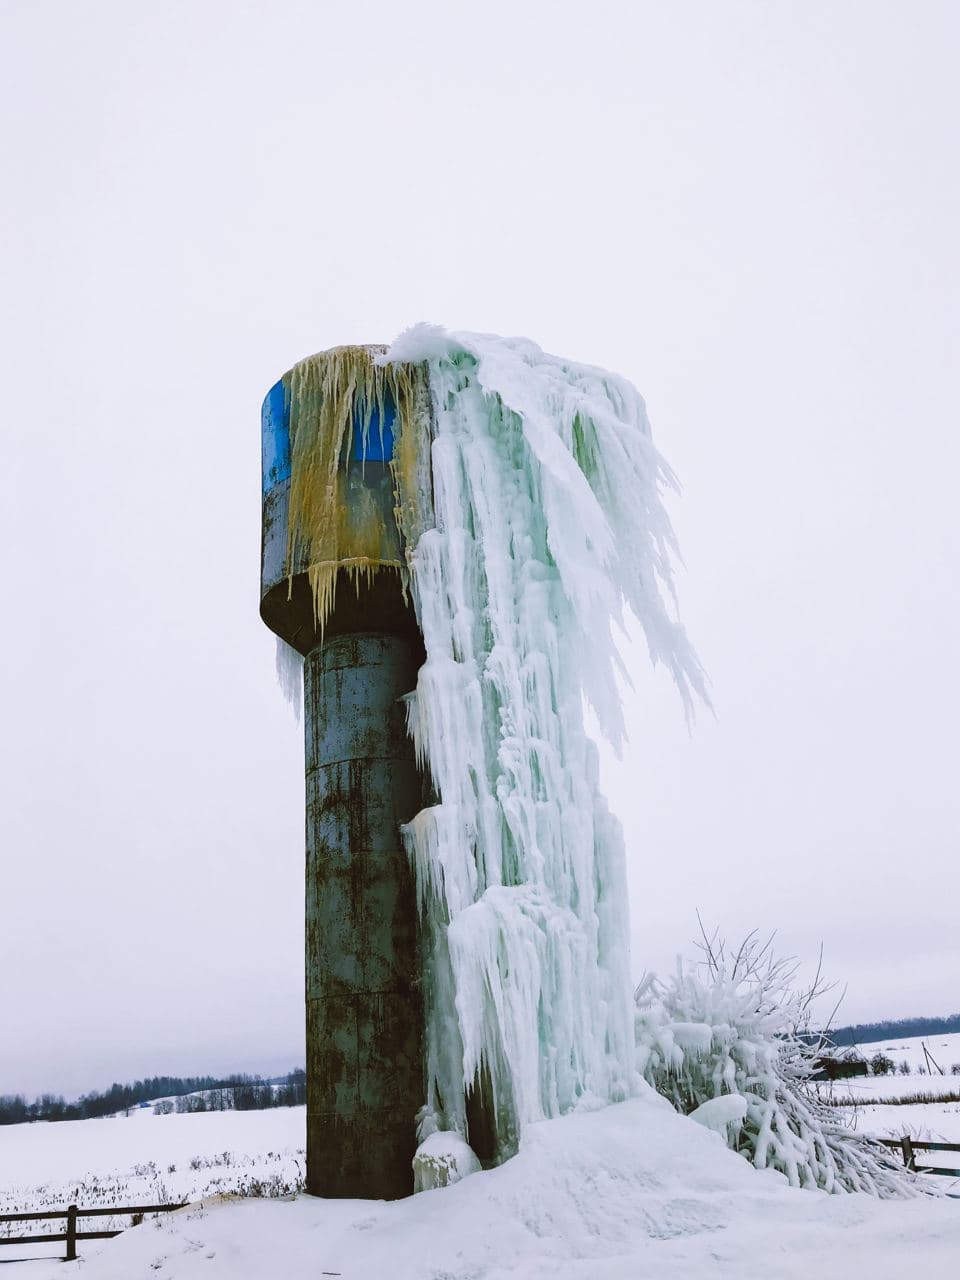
<point>364,1010</point>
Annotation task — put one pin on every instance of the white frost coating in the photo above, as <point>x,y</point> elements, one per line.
<point>721,1114</point>
<point>692,1037</point>
<point>441,1160</point>
<point>546,492</point>
<point>728,1033</point>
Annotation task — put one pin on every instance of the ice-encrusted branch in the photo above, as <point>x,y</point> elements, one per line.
<point>734,1026</point>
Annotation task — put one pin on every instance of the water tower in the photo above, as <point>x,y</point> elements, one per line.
<point>334,587</point>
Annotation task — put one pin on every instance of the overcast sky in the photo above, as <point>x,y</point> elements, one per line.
<point>748,208</point>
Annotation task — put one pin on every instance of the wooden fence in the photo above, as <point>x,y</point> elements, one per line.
<point>910,1146</point>
<point>72,1213</point>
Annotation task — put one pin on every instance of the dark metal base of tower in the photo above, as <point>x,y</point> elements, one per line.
<point>364,1015</point>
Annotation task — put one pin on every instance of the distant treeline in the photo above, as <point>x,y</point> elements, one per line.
<point>244,1093</point>
<point>902,1029</point>
<point>247,1093</point>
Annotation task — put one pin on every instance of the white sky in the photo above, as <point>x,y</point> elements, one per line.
<point>749,208</point>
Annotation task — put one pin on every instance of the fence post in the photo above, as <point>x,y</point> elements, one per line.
<point>909,1159</point>
<point>71,1234</point>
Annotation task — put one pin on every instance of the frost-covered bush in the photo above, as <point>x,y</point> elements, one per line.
<point>723,1040</point>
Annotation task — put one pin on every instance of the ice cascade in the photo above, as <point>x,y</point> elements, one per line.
<point>547,521</point>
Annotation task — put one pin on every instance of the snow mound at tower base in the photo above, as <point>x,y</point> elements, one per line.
<point>630,1192</point>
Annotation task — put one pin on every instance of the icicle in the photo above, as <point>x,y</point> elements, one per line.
<point>290,676</point>
<point>338,523</point>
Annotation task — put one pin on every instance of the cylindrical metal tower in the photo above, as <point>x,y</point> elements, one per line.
<point>362,650</point>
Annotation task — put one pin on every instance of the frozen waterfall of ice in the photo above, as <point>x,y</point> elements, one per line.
<point>548,521</point>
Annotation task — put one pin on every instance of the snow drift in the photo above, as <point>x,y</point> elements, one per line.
<point>631,1192</point>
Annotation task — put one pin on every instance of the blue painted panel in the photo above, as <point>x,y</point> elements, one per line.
<point>275,439</point>
<point>379,437</point>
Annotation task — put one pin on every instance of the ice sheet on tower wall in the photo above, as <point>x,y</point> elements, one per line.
<point>546,521</point>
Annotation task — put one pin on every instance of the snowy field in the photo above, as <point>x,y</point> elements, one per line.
<point>944,1049</point>
<point>930,1121</point>
<point>143,1159</point>
<point>934,1121</point>
<point>633,1191</point>
<point>878,1088</point>
<point>927,1122</point>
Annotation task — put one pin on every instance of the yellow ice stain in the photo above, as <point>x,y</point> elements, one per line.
<point>338,522</point>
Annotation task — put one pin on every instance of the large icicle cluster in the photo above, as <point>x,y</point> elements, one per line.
<point>723,1041</point>
<point>547,520</point>
<point>338,524</point>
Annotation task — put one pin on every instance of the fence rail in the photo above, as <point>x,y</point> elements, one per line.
<point>72,1212</point>
<point>908,1147</point>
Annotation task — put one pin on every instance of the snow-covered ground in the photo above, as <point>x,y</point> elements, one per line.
<point>632,1191</point>
<point>874,1088</point>
<point>143,1158</point>
<point>933,1121</point>
<point>928,1122</point>
<point>149,1157</point>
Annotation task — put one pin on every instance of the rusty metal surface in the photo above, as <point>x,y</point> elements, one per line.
<point>364,1017</point>
<point>286,604</point>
